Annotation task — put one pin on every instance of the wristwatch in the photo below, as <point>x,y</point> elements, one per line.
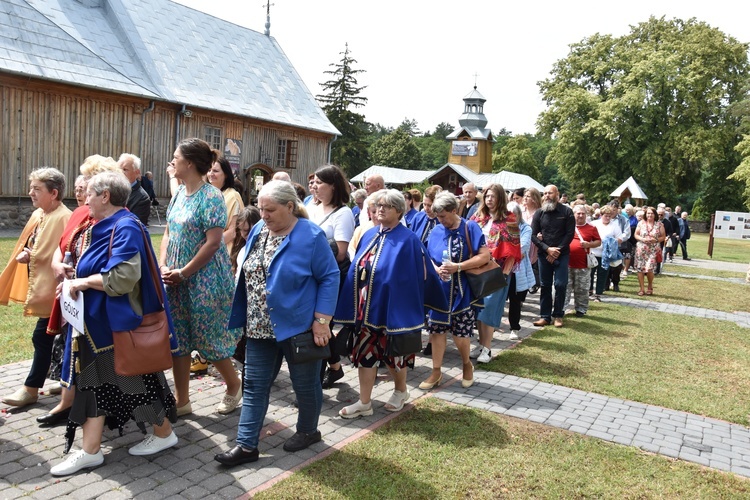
<point>323,321</point>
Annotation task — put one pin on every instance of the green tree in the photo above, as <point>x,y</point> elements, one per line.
<point>410,127</point>
<point>742,172</point>
<point>652,104</point>
<point>396,150</point>
<point>434,151</point>
<point>443,130</point>
<point>501,138</point>
<point>342,96</point>
<point>516,156</point>
<point>375,131</point>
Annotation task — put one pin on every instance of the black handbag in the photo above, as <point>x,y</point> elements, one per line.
<point>302,349</point>
<point>341,344</point>
<point>486,279</point>
<point>403,344</point>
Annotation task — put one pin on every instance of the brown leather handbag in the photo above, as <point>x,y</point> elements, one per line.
<point>146,348</point>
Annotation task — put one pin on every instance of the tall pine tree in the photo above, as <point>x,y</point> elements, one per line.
<point>341,98</point>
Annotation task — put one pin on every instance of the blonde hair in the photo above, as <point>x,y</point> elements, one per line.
<point>96,164</point>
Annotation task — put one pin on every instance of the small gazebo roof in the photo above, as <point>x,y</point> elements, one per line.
<point>630,185</point>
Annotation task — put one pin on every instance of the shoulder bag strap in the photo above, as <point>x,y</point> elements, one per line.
<point>581,238</point>
<point>468,240</point>
<point>153,268</point>
<point>327,216</point>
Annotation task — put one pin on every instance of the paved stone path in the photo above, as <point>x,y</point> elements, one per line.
<point>189,471</point>
<point>706,441</point>
<point>737,281</point>
<point>740,318</point>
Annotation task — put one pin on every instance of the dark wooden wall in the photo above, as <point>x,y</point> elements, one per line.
<point>57,125</point>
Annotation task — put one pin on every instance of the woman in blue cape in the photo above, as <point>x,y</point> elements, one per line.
<point>388,286</point>
<point>113,275</point>
<point>424,222</point>
<point>455,245</point>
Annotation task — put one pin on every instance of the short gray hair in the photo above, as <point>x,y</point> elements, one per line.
<point>392,197</point>
<point>51,178</point>
<point>359,194</point>
<point>133,159</point>
<point>116,183</point>
<point>579,208</point>
<point>283,192</point>
<point>444,201</point>
<point>515,209</point>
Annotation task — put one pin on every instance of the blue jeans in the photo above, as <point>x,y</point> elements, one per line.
<point>553,274</point>
<point>262,364</point>
<point>494,304</point>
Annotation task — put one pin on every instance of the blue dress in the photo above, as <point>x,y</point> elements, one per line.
<point>457,289</point>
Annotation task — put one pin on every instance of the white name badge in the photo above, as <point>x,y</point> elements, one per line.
<point>72,309</point>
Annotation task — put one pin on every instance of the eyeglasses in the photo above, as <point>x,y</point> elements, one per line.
<point>383,206</point>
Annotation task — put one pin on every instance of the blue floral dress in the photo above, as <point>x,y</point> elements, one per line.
<point>200,305</point>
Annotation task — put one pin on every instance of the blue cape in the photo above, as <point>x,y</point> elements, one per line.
<point>402,284</point>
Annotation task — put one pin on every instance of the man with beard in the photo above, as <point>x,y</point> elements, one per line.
<point>552,230</point>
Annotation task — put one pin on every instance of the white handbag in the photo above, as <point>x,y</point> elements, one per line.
<point>591,260</point>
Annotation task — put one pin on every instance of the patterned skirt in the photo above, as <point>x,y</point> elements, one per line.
<point>369,350</point>
<point>101,392</point>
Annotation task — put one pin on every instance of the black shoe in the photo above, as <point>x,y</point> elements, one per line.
<point>427,351</point>
<point>686,258</point>
<point>534,289</point>
<point>331,377</point>
<point>51,419</point>
<point>300,441</point>
<point>616,288</point>
<point>237,456</point>
<point>580,314</point>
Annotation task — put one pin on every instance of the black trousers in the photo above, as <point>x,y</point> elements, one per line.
<point>42,354</point>
<point>516,300</point>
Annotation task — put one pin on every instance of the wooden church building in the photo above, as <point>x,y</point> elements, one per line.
<point>79,77</point>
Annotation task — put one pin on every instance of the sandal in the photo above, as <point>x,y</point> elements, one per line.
<point>397,401</point>
<point>358,409</point>
<point>650,291</point>
<point>641,293</point>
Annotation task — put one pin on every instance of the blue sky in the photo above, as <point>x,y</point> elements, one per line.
<point>421,56</point>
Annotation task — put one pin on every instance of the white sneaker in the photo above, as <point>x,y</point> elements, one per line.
<point>513,335</point>
<point>76,461</point>
<point>153,444</point>
<point>485,356</point>
<point>474,354</point>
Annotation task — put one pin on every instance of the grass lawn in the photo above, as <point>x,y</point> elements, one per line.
<point>718,295</point>
<point>15,329</point>
<point>677,269</point>
<point>724,250</point>
<point>438,450</point>
<point>690,364</point>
